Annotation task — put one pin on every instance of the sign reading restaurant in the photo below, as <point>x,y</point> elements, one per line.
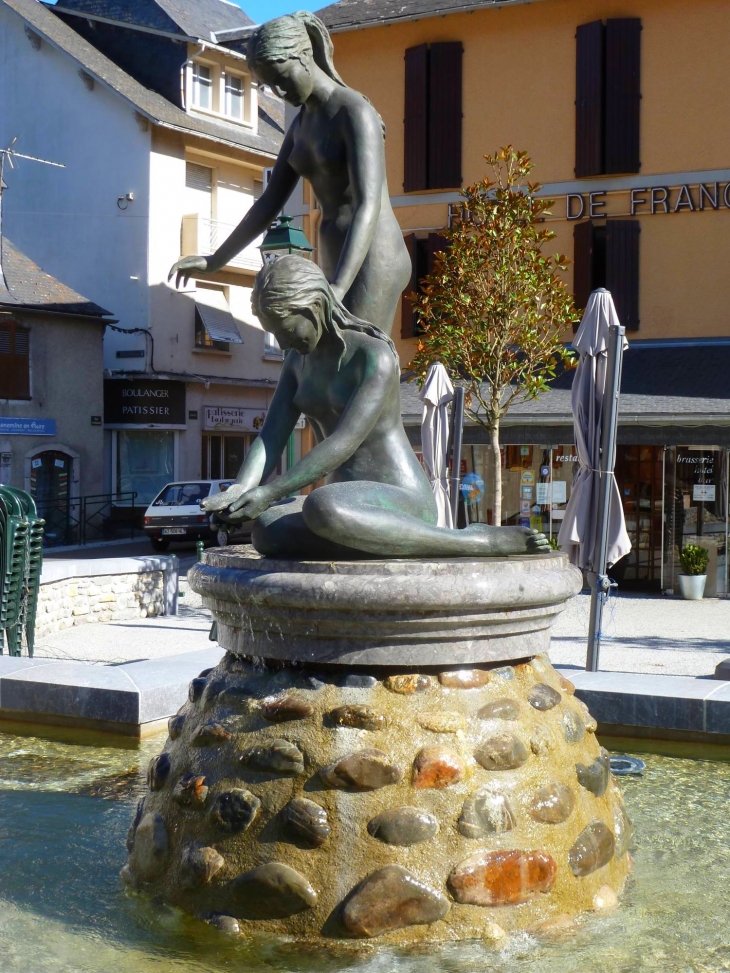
<point>144,402</point>
<point>650,200</point>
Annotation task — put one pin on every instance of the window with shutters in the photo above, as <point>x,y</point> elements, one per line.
<point>608,97</point>
<point>14,361</point>
<point>607,255</point>
<point>422,251</point>
<point>433,117</point>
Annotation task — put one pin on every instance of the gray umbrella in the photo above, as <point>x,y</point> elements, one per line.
<point>579,532</point>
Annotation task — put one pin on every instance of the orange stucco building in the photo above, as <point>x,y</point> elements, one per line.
<point>622,106</point>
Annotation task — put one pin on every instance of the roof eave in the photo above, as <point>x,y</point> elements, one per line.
<point>430,15</point>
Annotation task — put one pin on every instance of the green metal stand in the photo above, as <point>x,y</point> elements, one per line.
<point>21,560</point>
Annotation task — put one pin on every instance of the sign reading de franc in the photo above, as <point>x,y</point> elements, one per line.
<point>145,402</point>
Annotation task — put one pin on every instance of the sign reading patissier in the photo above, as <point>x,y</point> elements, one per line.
<point>144,402</point>
<point>234,417</point>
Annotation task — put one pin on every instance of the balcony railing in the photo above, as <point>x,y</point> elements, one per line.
<point>201,235</point>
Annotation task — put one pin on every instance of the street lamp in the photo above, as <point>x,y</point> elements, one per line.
<point>283,238</point>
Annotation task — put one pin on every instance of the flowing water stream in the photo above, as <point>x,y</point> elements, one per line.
<point>64,812</point>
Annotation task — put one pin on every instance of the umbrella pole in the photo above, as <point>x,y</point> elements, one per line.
<point>457,431</point>
<point>609,423</point>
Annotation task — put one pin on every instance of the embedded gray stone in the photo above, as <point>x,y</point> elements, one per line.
<point>234,811</point>
<point>552,803</point>
<point>359,716</point>
<point>623,830</point>
<point>198,866</point>
<point>403,826</point>
<point>226,924</point>
<point>363,770</point>
<point>574,728</point>
<point>543,697</point>
<point>278,756</point>
<point>486,812</point>
<point>504,672</point>
<point>306,820</point>
<point>151,848</point>
<point>175,726</point>
<point>505,751</point>
<point>391,898</point>
<point>542,739</point>
<point>158,771</point>
<point>356,680</point>
<point>595,776</point>
<point>271,891</point>
<point>213,690</point>
<point>500,709</point>
<point>191,790</point>
<point>135,824</point>
<point>594,847</point>
<point>196,689</point>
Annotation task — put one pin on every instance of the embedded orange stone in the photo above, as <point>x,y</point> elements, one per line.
<point>502,877</point>
<point>464,678</point>
<point>566,685</point>
<point>437,767</point>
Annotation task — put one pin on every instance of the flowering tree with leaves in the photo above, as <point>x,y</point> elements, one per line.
<point>495,310</point>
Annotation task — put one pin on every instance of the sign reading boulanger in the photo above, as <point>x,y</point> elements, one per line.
<point>146,402</point>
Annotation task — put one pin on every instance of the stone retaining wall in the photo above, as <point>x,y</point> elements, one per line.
<point>79,601</point>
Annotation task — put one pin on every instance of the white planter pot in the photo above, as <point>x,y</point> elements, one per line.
<point>692,586</point>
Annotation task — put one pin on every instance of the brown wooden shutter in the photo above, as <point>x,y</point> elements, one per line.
<point>582,264</point>
<point>415,123</point>
<point>14,361</point>
<point>444,115</point>
<point>408,317</point>
<point>623,95</point>
<point>589,99</point>
<point>622,269</point>
<point>436,242</point>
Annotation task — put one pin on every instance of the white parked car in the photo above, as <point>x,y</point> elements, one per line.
<point>175,515</point>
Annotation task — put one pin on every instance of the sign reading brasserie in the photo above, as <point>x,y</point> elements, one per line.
<point>235,417</point>
<point>650,200</point>
<point>147,402</point>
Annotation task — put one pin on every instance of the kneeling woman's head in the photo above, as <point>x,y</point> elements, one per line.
<point>293,301</point>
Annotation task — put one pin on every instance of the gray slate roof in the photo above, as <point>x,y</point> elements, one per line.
<point>149,103</point>
<point>369,13</point>
<point>673,381</point>
<point>192,18</point>
<point>25,285</point>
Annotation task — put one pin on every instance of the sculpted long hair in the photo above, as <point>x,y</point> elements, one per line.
<point>293,36</point>
<point>289,283</point>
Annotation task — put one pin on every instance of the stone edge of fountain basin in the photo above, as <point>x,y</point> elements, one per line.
<point>406,613</point>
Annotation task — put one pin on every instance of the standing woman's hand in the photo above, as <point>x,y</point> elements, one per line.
<point>184,269</point>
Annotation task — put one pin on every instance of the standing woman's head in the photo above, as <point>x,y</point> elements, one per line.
<point>294,302</point>
<point>281,52</point>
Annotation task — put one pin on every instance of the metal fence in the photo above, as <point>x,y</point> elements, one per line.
<point>86,520</point>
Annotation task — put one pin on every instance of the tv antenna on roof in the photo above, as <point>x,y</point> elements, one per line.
<point>8,156</point>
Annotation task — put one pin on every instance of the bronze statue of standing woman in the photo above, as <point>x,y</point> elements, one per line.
<point>336,143</point>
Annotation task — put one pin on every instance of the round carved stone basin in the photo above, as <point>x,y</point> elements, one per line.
<point>409,613</point>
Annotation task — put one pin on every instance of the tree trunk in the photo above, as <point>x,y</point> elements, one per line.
<point>497,457</point>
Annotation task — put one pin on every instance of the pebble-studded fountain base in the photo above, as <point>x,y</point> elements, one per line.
<point>404,807</point>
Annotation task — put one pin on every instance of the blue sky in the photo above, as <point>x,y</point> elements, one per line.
<point>260,10</point>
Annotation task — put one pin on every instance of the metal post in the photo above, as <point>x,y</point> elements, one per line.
<point>171,580</point>
<point>457,426</point>
<point>600,583</point>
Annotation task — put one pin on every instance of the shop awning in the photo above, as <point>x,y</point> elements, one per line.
<point>216,316</point>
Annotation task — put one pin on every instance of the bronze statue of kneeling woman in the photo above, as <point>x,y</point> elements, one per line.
<point>343,374</point>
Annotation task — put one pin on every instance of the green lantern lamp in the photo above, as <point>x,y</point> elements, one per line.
<point>282,237</point>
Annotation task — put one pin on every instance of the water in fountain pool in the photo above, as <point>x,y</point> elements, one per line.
<point>64,813</point>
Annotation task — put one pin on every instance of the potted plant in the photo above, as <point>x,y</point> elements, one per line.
<point>694,571</point>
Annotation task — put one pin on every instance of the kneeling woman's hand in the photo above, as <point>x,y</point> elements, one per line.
<point>250,505</point>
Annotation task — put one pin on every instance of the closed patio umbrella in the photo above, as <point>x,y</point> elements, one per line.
<point>436,394</point>
<point>593,533</point>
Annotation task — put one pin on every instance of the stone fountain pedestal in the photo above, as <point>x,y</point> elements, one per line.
<point>385,752</point>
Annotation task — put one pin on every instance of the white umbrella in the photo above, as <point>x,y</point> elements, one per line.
<point>578,535</point>
<point>436,394</point>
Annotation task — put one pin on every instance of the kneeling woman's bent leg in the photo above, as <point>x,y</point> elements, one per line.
<point>281,531</point>
<point>387,521</point>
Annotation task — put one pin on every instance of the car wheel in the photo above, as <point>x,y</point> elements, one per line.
<point>159,544</point>
<point>222,538</point>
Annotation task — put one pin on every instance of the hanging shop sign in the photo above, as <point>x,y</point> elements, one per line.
<point>147,402</point>
<point>27,427</point>
<point>650,200</point>
<point>235,418</point>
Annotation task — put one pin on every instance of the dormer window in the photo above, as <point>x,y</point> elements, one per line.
<point>202,86</point>
<point>217,88</point>
<point>233,106</point>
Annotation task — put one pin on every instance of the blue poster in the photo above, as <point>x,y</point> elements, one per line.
<point>472,488</point>
<point>27,427</point>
